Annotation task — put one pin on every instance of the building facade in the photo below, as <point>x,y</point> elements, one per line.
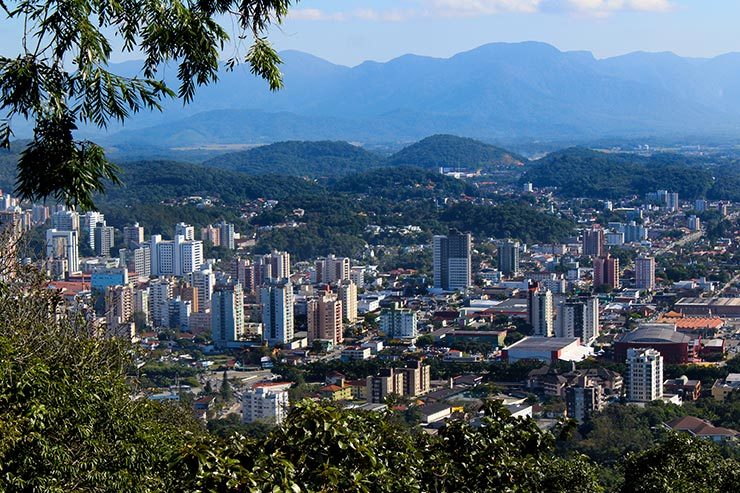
<point>644,375</point>
<point>277,312</point>
<point>451,261</point>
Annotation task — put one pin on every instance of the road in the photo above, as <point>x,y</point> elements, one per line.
<point>689,238</point>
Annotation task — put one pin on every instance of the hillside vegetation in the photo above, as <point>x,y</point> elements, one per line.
<point>403,182</point>
<point>451,151</point>
<point>332,159</point>
<point>579,172</point>
<point>300,158</point>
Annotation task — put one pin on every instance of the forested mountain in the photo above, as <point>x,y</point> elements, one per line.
<point>451,151</point>
<point>580,172</point>
<point>323,158</point>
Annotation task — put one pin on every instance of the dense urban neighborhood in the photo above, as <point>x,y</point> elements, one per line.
<point>621,313</point>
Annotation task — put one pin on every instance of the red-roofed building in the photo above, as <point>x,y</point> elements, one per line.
<point>336,393</point>
<point>704,429</point>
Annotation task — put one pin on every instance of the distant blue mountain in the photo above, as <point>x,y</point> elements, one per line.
<point>495,92</point>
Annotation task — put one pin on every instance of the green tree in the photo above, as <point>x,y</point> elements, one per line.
<point>226,391</point>
<point>67,419</point>
<point>60,77</point>
<point>680,464</point>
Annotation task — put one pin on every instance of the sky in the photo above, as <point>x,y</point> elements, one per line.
<point>349,32</point>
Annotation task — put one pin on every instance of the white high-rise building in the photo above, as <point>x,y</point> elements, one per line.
<point>205,281</point>
<point>63,245</point>
<point>40,214</point>
<point>119,306</point>
<point>87,224</point>
<point>399,323</point>
<point>190,256</point>
<point>160,294</point>
<point>272,267</point>
<point>141,303</point>
<point>331,269</point>
<point>540,311</point>
<point>227,315</point>
<point>143,261</point>
<point>185,230</point>
<point>357,275</point>
<point>348,294</point>
<point>277,312</point>
<point>645,273</point>
<point>226,235</point>
<point>579,318</point>
<point>644,375</point>
<point>451,261</point>
<point>133,235</point>
<point>694,223</point>
<point>178,257</point>
<point>65,221</point>
<point>103,239</point>
<point>672,202</point>
<point>266,403</point>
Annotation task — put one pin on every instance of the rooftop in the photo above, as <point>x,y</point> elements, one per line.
<point>709,302</point>
<point>543,343</point>
<point>654,335</point>
<point>699,427</point>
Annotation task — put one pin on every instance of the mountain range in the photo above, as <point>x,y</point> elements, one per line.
<point>498,92</point>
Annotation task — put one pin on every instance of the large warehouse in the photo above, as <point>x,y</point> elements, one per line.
<point>720,307</point>
<point>672,345</point>
<point>547,349</point>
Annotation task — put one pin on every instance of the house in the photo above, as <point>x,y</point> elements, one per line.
<point>722,388</point>
<point>335,392</point>
<point>689,390</point>
<point>700,428</point>
<point>204,403</point>
<point>435,412</point>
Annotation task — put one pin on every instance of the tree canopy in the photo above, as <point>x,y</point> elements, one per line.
<point>60,78</point>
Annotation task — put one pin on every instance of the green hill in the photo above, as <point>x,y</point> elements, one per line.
<point>451,151</point>
<point>152,181</point>
<point>299,158</point>
<point>579,172</point>
<point>403,182</point>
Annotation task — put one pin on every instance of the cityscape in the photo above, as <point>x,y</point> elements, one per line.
<point>511,268</point>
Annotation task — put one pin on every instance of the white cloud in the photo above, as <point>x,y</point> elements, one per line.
<point>484,7</point>
<point>474,8</point>
<point>390,15</point>
<point>315,15</point>
<point>609,6</point>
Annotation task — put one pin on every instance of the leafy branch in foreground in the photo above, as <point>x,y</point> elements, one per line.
<point>61,79</point>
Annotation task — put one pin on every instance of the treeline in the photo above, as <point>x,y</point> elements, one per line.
<point>403,182</point>
<point>299,158</point>
<point>332,159</point>
<point>510,219</point>
<point>580,172</point>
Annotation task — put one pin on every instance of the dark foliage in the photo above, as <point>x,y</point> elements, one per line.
<point>299,158</point>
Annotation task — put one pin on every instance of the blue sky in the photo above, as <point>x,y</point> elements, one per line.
<point>351,31</point>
